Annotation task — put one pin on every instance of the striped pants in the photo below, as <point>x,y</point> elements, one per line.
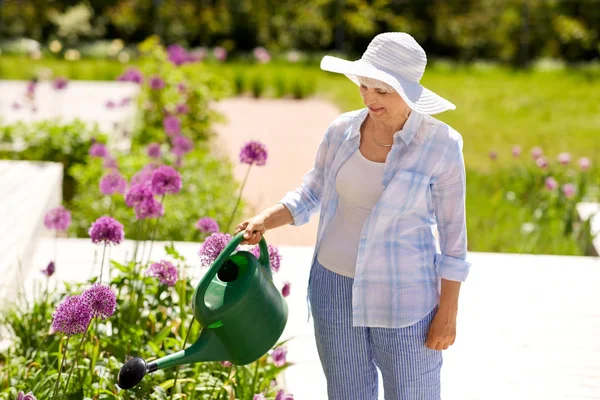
<point>350,355</point>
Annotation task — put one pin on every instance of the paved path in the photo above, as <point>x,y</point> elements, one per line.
<point>528,325</point>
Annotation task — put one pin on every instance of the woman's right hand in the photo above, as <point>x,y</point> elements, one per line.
<point>254,229</point>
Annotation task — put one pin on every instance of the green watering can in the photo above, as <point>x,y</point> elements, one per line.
<point>241,312</point>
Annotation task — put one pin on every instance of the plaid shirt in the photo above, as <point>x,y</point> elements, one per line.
<point>398,267</point>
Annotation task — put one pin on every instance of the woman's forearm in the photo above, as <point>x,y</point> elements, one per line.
<point>277,216</point>
<point>449,297</point>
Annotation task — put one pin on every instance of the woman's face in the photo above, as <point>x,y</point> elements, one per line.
<point>384,105</point>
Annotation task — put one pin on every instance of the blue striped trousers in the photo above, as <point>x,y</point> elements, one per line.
<point>350,355</point>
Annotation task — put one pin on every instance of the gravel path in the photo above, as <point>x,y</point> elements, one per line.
<point>292,131</point>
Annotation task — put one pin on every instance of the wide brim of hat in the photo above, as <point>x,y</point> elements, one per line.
<point>416,96</point>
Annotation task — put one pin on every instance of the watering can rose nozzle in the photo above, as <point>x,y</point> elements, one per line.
<point>133,372</point>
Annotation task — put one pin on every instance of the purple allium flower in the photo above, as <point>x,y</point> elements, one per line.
<point>493,155</point>
<point>106,230</point>
<point>253,152</point>
<point>181,145</point>
<point>278,356</point>
<point>125,101</point>
<point>110,163</point>
<point>196,55</point>
<point>536,153</point>
<point>569,190</point>
<point>207,225</point>
<point>516,151</point>
<point>541,162</point>
<point>177,54</point>
<point>72,316</point>
<point>564,158</point>
<point>137,193</point>
<point>172,125</point>
<point>285,290</point>
<point>50,269</point>
<point>144,175</point>
<point>181,87</point>
<point>101,299</point>
<point>31,87</point>
<point>153,150</point>
<point>294,56</point>
<point>551,183</point>
<point>182,108</point>
<point>156,82</point>
<point>274,256</point>
<point>212,247</point>
<point>98,150</point>
<point>281,395</point>
<point>584,163</point>
<point>262,55</point>
<point>112,183</point>
<point>165,180</point>
<point>28,396</point>
<point>110,104</point>
<point>132,75</point>
<point>58,218</point>
<point>226,363</point>
<point>149,208</point>
<point>15,105</point>
<point>60,83</point>
<point>220,53</point>
<point>259,396</point>
<point>164,271</point>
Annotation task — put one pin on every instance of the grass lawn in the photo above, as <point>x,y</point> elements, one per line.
<point>497,109</point>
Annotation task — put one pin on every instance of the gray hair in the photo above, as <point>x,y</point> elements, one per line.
<point>375,84</point>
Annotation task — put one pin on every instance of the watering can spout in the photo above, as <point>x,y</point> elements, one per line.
<point>208,347</point>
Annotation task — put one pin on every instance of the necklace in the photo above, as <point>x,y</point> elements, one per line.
<point>377,143</point>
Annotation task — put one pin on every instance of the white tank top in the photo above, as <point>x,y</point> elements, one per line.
<point>358,185</point>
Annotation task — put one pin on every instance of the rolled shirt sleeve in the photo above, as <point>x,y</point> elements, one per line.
<point>448,189</point>
<point>305,200</point>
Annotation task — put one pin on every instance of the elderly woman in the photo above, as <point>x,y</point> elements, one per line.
<point>381,293</point>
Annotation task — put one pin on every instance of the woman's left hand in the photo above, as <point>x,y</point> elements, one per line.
<point>442,331</point>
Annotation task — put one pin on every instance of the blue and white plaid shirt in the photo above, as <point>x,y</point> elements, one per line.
<point>398,268</point>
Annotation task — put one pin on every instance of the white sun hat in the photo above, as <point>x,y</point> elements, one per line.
<point>398,60</point>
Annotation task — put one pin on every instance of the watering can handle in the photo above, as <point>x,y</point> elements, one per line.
<point>263,260</point>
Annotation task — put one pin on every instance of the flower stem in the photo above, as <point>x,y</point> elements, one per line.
<point>102,263</point>
<point>137,242</point>
<point>60,369</point>
<point>76,359</point>
<point>55,243</point>
<point>238,199</point>
<point>162,199</point>
<point>255,377</point>
<point>187,335</point>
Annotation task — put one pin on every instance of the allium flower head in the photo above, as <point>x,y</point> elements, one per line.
<point>226,363</point>
<point>541,162</point>
<point>138,193</point>
<point>60,83</point>
<point>172,125</point>
<point>112,183</point>
<point>144,175</point>
<point>98,150</point>
<point>278,355</point>
<point>493,155</point>
<point>568,190</point>
<point>182,108</point>
<point>212,247</point>
<point>153,150</point>
<point>253,152</point>
<point>536,153</point>
<point>516,151</point>
<point>164,271</point>
<point>110,104</point>
<point>110,163</point>
<point>551,183</point>
<point>50,269</point>
<point>58,218</point>
<point>156,82</point>
<point>220,53</point>
<point>149,208</point>
<point>177,54</point>
<point>564,158</point>
<point>72,316</point>
<point>101,299</point>
<point>584,163</point>
<point>181,145</point>
<point>106,230</point>
<point>207,225</point>
<point>181,87</point>
<point>15,105</point>
<point>132,75</point>
<point>259,396</point>
<point>285,290</point>
<point>274,256</point>
<point>28,396</point>
<point>262,55</point>
<point>165,180</point>
<point>281,395</point>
